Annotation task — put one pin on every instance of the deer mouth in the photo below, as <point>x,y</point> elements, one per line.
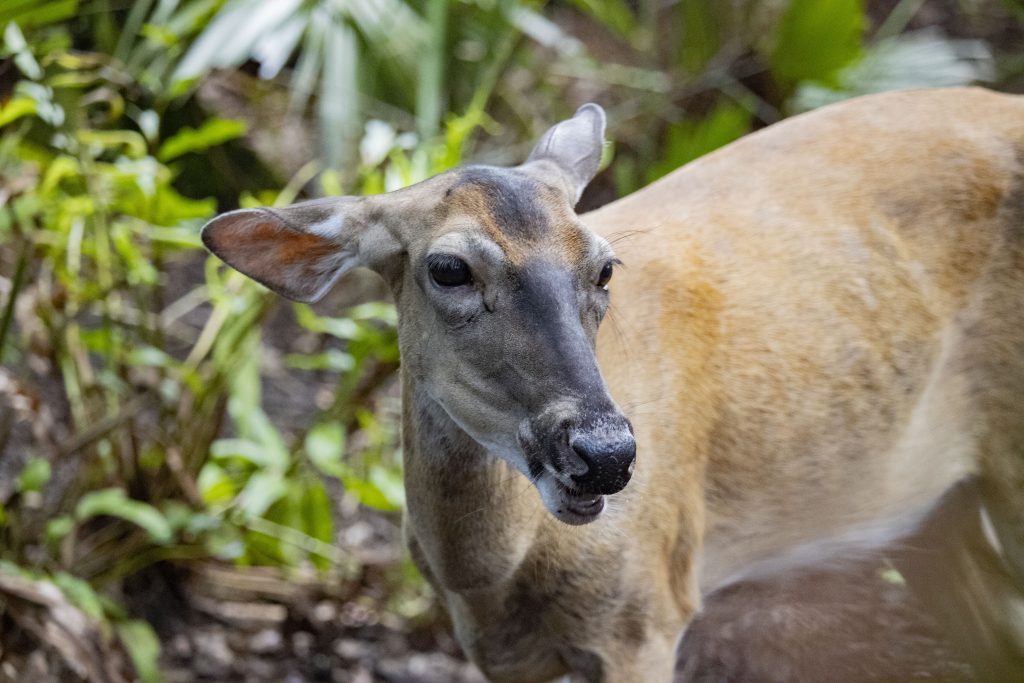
<point>566,503</point>
<point>578,508</point>
<point>574,463</point>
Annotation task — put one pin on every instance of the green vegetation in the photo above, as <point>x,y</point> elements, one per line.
<point>135,430</point>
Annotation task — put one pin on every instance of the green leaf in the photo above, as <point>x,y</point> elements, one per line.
<point>34,475</point>
<point>920,59</point>
<point>176,236</point>
<point>201,523</point>
<point>58,528</point>
<point>343,328</point>
<point>225,543</point>
<point>382,490</point>
<point>80,594</point>
<point>176,513</point>
<point>12,569</point>
<point>215,486</point>
<point>689,140</point>
<point>262,548</point>
<point>375,310</point>
<point>615,14</point>
<point>17,108</point>
<point>29,13</point>
<point>251,451</point>
<point>701,36</point>
<point>115,503</point>
<point>363,322</point>
<point>63,167</point>
<point>230,36</point>
<point>331,359</point>
<point>389,482</point>
<point>143,648</point>
<point>317,521</point>
<point>140,270</point>
<point>339,86</point>
<point>261,491</point>
<point>369,494</point>
<point>128,141</point>
<point>14,39</point>
<point>149,123</point>
<point>14,42</point>
<point>255,427</point>
<point>816,39</point>
<point>212,132</point>
<point>143,356</point>
<point>171,207</point>
<point>324,446</point>
<point>159,35</point>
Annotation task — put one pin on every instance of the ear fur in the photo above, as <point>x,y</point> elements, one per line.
<point>574,147</point>
<point>299,251</point>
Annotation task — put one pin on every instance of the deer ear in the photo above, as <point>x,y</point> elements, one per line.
<point>299,251</point>
<point>574,147</point>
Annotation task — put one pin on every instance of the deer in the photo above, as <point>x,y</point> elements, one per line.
<point>811,333</point>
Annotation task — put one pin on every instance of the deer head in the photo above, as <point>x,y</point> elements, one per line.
<point>500,291</point>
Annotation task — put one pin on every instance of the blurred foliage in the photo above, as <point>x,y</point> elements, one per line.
<point>163,447</point>
<point>136,428</point>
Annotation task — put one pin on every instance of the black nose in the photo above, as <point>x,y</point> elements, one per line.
<point>609,457</point>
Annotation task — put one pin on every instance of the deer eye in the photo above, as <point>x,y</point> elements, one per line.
<point>448,271</point>
<point>606,275</point>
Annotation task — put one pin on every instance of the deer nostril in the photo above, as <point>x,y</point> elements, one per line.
<point>567,460</point>
<point>582,449</point>
<point>574,464</point>
<point>609,461</point>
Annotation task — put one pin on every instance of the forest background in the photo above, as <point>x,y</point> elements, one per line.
<point>201,481</point>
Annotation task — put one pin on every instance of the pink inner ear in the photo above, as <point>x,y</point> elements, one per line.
<point>296,264</point>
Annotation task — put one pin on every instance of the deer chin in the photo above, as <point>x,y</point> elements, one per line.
<point>567,504</point>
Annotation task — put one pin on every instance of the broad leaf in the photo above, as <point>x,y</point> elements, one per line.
<point>324,446</point>
<point>212,132</point>
<point>143,647</point>
<point>689,140</point>
<point>34,475</point>
<point>114,503</point>
<point>816,38</point>
<point>921,59</point>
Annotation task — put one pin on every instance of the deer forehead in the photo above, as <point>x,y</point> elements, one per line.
<point>512,213</point>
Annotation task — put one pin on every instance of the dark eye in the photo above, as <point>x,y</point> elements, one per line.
<point>606,274</point>
<point>448,271</point>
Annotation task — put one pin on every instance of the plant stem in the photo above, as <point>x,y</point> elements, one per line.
<point>429,95</point>
<point>19,276</point>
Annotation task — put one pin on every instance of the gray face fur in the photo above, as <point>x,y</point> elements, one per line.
<point>500,290</point>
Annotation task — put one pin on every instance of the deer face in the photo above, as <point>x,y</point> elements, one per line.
<point>500,291</point>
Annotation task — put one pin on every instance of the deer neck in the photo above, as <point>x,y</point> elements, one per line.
<point>472,518</point>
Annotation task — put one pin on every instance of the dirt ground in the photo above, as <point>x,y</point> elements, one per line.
<point>299,635</point>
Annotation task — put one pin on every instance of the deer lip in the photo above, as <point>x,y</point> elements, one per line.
<point>561,497</point>
<point>580,507</point>
<point>586,505</point>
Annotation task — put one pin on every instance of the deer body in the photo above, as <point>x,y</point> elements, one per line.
<point>817,329</point>
<point>826,317</point>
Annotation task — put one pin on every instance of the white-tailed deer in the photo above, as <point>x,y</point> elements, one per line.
<point>816,331</point>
